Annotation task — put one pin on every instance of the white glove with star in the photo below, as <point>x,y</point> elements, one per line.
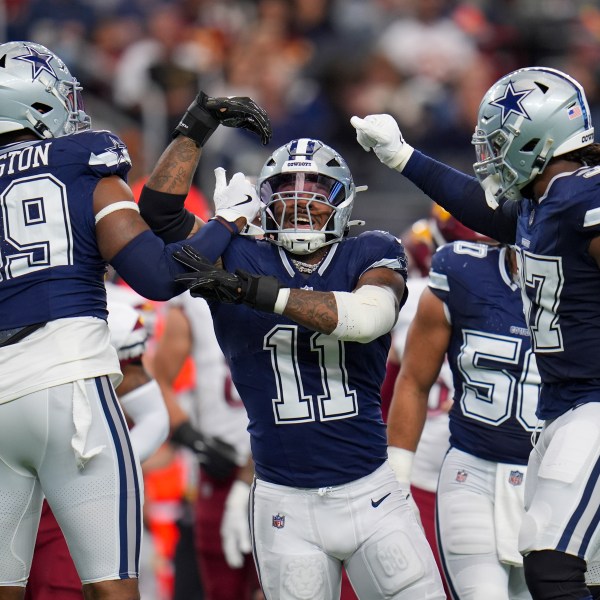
<point>235,199</point>
<point>235,528</point>
<point>381,134</point>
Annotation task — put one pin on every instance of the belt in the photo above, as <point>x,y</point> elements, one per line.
<point>12,336</point>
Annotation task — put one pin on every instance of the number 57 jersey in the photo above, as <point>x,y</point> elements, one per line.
<point>495,375</point>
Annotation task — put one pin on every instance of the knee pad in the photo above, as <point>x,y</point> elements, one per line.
<point>553,575</point>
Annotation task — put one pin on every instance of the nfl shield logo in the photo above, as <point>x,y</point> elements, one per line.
<point>515,478</point>
<point>278,521</point>
<point>461,476</point>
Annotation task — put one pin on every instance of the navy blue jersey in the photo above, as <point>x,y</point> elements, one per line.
<point>562,288</point>
<point>313,401</point>
<point>50,265</point>
<point>496,380</point>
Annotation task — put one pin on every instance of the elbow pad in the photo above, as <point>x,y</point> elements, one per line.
<point>146,407</point>
<point>365,314</point>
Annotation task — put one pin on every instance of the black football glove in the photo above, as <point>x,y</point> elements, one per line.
<point>211,283</point>
<point>216,456</point>
<point>205,114</point>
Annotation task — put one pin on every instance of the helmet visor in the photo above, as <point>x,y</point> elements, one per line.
<point>312,185</point>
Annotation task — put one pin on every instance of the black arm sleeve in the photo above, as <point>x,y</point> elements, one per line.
<point>166,214</point>
<point>462,196</point>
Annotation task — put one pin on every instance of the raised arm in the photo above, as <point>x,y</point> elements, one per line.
<point>460,194</point>
<point>163,197</point>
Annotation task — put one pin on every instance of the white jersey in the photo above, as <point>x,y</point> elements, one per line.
<point>434,443</point>
<point>214,405</point>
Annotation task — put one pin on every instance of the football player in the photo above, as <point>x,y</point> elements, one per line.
<point>472,313</point>
<point>53,574</point>
<point>421,241</point>
<point>537,185</point>
<point>67,213</point>
<point>304,323</point>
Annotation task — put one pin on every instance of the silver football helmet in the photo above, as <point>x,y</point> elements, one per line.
<point>526,118</point>
<point>38,93</point>
<point>299,175</point>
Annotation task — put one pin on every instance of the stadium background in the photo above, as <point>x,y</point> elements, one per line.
<point>312,64</point>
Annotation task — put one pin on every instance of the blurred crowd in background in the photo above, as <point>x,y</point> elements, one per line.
<point>312,64</point>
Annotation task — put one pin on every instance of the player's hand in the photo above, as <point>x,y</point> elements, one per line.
<point>235,527</point>
<point>400,461</point>
<point>211,283</point>
<point>205,280</point>
<point>216,456</point>
<point>235,199</point>
<point>381,134</point>
<point>205,114</point>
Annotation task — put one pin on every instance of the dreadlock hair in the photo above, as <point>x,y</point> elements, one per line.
<point>588,155</point>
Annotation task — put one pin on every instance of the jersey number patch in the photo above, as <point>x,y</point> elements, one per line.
<point>37,227</point>
<point>490,389</point>
<point>292,405</point>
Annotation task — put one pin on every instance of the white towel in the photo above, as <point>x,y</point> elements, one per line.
<point>82,419</point>
<point>509,511</point>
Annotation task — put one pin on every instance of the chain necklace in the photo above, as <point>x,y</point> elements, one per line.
<point>303,267</point>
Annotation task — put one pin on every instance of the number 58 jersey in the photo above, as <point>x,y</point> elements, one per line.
<point>50,265</point>
<point>495,375</point>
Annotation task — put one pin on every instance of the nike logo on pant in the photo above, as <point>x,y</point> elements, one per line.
<point>376,503</point>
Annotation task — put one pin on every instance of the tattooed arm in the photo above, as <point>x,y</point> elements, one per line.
<point>341,314</point>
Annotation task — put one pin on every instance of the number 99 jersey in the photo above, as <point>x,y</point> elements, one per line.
<point>50,265</point>
<point>495,375</point>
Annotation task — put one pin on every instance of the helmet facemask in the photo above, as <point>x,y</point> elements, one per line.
<point>525,119</point>
<point>307,193</point>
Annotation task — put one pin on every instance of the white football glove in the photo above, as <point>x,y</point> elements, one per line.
<point>401,461</point>
<point>235,529</point>
<point>235,199</point>
<point>382,134</point>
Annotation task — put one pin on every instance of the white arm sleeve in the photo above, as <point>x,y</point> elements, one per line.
<point>146,407</point>
<point>365,314</point>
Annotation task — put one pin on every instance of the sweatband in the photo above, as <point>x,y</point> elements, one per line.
<point>111,208</point>
<point>401,461</point>
<point>166,214</point>
<point>365,314</point>
<point>281,302</point>
<point>401,158</point>
<point>146,407</point>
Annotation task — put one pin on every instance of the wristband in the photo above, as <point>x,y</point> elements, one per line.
<point>401,461</point>
<point>282,299</point>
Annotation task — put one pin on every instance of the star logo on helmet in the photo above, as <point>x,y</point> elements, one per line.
<point>40,62</point>
<point>511,102</point>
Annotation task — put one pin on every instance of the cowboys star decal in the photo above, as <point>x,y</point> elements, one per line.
<point>40,62</point>
<point>119,150</point>
<point>511,102</point>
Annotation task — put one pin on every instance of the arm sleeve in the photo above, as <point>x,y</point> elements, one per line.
<point>462,196</point>
<point>146,407</point>
<point>148,266</point>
